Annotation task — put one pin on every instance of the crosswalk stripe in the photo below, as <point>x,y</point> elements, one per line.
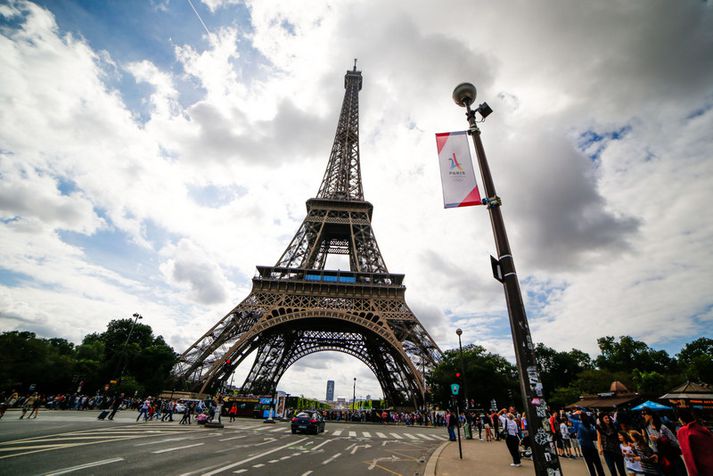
<point>397,436</point>
<point>352,433</point>
<point>425,437</point>
<point>439,437</point>
<point>337,432</point>
<point>409,435</point>
<point>381,435</point>
<point>366,434</point>
<point>276,430</point>
<point>263,428</point>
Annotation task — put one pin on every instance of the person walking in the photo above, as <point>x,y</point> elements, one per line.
<point>144,410</point>
<point>512,439</point>
<point>587,436</point>
<point>115,406</point>
<point>36,407</point>
<point>186,420</point>
<point>631,461</point>
<point>451,424</point>
<point>608,439</point>
<point>488,423</point>
<point>233,412</point>
<point>696,443</point>
<point>28,404</point>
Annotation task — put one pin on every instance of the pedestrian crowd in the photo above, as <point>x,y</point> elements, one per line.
<point>629,443</point>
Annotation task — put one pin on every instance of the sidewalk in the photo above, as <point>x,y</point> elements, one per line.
<point>492,459</point>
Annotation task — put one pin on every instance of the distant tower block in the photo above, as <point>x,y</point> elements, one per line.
<point>330,390</point>
<point>298,307</point>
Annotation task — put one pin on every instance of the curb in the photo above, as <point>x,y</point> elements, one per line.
<point>433,460</point>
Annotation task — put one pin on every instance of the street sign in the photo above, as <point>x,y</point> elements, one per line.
<point>455,388</point>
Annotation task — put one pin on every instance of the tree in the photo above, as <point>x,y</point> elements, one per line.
<point>559,369</point>
<point>696,360</point>
<point>629,354</point>
<point>486,376</point>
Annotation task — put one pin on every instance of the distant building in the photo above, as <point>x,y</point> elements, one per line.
<point>330,390</point>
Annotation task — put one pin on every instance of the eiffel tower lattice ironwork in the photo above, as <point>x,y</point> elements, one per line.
<point>298,307</point>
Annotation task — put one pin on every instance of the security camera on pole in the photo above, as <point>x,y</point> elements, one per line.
<point>460,189</point>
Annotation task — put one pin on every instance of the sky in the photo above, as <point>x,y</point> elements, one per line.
<point>152,153</point>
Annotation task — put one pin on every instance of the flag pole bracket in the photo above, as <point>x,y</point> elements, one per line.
<point>492,202</point>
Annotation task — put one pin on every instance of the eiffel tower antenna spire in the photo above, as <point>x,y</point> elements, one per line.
<point>299,307</point>
<point>342,179</point>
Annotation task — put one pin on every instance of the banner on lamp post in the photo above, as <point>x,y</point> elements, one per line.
<point>460,188</point>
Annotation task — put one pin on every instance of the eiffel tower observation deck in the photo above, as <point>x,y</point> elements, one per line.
<point>297,307</point>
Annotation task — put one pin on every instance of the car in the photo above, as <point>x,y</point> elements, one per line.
<point>308,422</point>
<point>180,408</point>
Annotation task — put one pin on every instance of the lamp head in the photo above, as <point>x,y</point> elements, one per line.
<point>464,94</point>
<point>459,332</point>
<point>135,315</point>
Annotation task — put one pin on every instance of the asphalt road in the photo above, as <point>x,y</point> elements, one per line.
<point>77,443</point>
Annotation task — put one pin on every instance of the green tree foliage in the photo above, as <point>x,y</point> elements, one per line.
<point>57,365</point>
<point>628,354</point>
<point>560,369</point>
<point>486,376</point>
<point>696,360</point>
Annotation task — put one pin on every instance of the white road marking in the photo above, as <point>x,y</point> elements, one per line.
<point>321,444</point>
<point>258,465</point>
<point>84,466</point>
<point>307,473</point>
<point>439,437</point>
<point>337,432</point>
<point>366,434</point>
<point>354,450</point>
<point>233,438</point>
<point>277,429</point>
<point>409,435</point>
<point>289,456</point>
<point>381,435</point>
<point>177,448</point>
<point>350,446</point>
<point>396,435</point>
<point>262,428</point>
<point>332,458</point>
<point>425,437</point>
<point>241,471</point>
<point>162,441</point>
<point>352,434</point>
<point>274,461</point>
<point>232,465</point>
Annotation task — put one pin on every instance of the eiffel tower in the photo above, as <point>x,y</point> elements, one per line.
<point>298,307</point>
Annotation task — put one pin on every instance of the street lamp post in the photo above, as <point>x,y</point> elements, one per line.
<point>124,359</point>
<point>354,396</point>
<point>543,454</point>
<point>462,369</point>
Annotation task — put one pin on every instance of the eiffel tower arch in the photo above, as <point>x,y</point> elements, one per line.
<point>298,307</point>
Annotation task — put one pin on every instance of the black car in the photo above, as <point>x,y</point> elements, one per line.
<point>308,422</point>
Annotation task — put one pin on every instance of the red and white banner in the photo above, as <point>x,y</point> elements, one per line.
<point>457,177</point>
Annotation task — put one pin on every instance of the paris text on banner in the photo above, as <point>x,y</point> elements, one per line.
<point>457,176</point>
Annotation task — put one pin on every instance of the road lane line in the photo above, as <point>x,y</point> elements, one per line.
<point>320,445</point>
<point>233,438</point>
<point>381,435</point>
<point>396,435</point>
<point>84,466</point>
<point>274,430</point>
<point>307,473</point>
<point>162,441</point>
<point>425,437</point>
<point>176,449</point>
<point>332,458</point>
<point>241,471</point>
<point>366,434</point>
<point>337,432</point>
<point>260,465</point>
<point>409,435</point>
<point>238,463</point>
<point>263,428</point>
